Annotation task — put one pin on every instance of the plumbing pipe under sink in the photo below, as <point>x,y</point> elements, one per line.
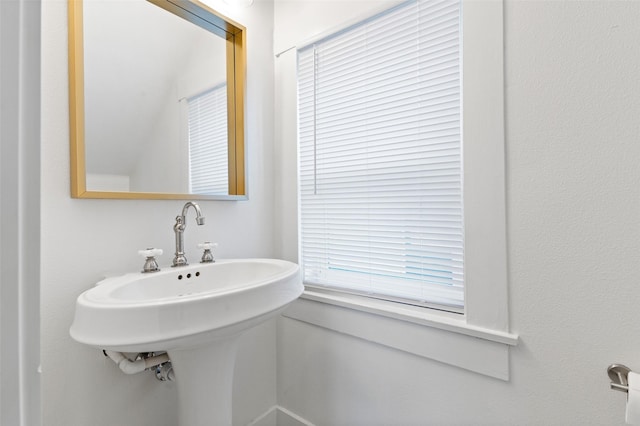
<point>133,367</point>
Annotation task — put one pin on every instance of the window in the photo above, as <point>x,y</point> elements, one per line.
<point>381,157</point>
<point>477,339</point>
<point>208,159</point>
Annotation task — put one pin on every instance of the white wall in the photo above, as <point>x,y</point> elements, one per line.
<point>573,208</point>
<point>81,240</point>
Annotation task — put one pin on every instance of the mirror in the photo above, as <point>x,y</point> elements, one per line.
<point>156,100</point>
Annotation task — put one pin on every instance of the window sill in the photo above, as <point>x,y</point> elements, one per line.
<point>432,334</point>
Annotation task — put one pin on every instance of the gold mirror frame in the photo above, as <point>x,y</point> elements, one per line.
<point>198,14</point>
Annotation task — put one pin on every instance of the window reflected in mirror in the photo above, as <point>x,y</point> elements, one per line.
<point>207,141</point>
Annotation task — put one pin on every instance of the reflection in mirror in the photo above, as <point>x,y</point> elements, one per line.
<point>162,112</point>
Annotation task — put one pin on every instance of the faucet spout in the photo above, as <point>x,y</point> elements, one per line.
<point>199,217</point>
<point>180,259</point>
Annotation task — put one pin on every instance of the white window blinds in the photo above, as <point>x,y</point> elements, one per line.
<point>208,144</point>
<point>380,156</point>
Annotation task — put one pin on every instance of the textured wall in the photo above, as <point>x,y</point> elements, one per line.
<point>573,208</point>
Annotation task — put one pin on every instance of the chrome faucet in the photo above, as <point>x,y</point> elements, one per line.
<point>178,228</point>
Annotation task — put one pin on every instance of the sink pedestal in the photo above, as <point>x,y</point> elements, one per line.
<point>204,378</point>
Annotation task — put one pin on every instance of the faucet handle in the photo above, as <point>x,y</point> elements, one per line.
<point>150,252</point>
<point>207,256</point>
<point>150,265</point>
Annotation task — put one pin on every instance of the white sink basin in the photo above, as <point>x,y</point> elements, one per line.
<point>183,307</point>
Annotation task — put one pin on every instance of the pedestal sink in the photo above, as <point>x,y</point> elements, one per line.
<point>196,313</point>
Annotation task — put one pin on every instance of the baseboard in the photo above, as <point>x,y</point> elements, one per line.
<point>288,418</point>
<point>279,416</point>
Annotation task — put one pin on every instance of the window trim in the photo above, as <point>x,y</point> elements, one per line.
<point>482,333</point>
<point>437,335</point>
<point>484,150</point>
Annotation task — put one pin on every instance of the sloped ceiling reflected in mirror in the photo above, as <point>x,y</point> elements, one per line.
<point>142,66</point>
